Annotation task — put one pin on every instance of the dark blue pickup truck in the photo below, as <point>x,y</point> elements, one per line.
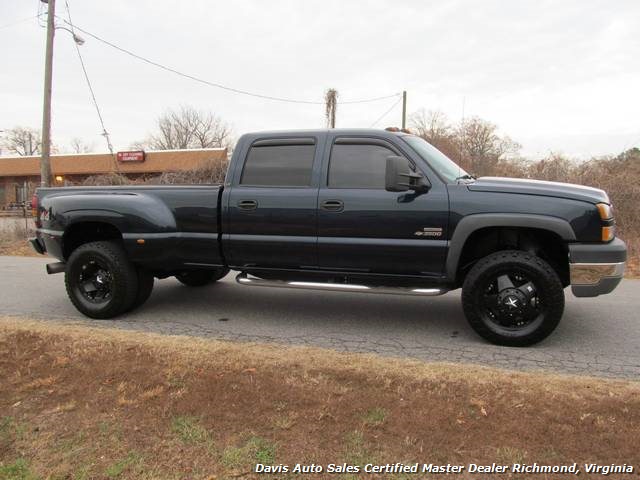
<point>346,210</point>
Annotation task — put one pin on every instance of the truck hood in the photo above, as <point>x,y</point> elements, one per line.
<point>539,187</point>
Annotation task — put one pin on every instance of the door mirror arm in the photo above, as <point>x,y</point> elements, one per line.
<point>400,178</point>
<point>418,183</point>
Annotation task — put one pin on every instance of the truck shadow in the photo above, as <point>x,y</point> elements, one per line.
<point>306,309</point>
<point>239,311</point>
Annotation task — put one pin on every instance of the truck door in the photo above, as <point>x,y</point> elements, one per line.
<point>364,228</point>
<point>272,206</point>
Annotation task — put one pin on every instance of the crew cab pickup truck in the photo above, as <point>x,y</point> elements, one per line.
<point>356,210</point>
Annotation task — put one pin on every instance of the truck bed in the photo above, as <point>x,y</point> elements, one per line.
<point>175,224</point>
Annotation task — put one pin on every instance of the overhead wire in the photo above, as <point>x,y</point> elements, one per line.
<point>386,113</point>
<point>104,133</point>
<point>42,13</point>
<point>219,85</point>
<point>17,22</point>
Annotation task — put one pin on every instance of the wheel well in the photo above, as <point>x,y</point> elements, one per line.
<point>85,232</point>
<point>543,243</point>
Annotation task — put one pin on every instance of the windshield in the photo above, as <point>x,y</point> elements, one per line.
<point>443,165</point>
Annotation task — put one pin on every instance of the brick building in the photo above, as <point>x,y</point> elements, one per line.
<point>20,175</point>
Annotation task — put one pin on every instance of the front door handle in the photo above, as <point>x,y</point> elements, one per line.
<point>333,205</point>
<point>247,204</point>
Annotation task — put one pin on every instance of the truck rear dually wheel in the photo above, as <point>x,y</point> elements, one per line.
<point>101,281</point>
<point>145,287</point>
<point>199,278</point>
<point>513,298</point>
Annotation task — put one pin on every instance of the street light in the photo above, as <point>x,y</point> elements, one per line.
<point>76,38</point>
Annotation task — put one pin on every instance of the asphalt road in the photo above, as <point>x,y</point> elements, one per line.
<point>597,336</point>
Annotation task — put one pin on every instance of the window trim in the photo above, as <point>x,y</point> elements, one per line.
<point>280,142</point>
<point>378,142</point>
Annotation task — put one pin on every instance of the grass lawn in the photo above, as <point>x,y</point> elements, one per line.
<point>81,403</point>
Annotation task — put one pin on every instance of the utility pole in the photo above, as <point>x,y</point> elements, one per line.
<point>45,160</point>
<point>330,106</point>
<point>404,109</point>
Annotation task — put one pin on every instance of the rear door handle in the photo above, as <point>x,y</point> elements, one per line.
<point>247,204</point>
<point>333,205</point>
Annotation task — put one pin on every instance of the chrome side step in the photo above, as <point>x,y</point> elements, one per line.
<point>245,279</point>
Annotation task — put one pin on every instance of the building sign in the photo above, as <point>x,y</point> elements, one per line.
<point>136,156</point>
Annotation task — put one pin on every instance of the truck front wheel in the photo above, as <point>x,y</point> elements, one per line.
<point>100,280</point>
<point>513,298</point>
<point>199,278</point>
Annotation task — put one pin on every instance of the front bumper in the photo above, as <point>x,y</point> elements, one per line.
<point>596,269</point>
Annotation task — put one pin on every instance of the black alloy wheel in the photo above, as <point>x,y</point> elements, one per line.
<point>95,282</point>
<point>101,282</point>
<point>511,301</point>
<point>513,298</point>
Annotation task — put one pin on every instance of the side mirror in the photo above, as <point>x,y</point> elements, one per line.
<point>400,178</point>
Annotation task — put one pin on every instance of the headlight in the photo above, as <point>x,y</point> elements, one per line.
<point>606,215</point>
<point>605,211</point>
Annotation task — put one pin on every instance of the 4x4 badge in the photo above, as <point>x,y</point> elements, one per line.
<point>429,232</point>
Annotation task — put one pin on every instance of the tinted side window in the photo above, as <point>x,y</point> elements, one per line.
<point>279,165</point>
<point>358,166</point>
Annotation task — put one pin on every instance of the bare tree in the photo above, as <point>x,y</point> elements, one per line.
<point>23,141</point>
<point>475,143</point>
<point>481,146</point>
<point>435,128</point>
<point>80,146</point>
<point>432,125</point>
<point>186,128</point>
<point>555,167</point>
<point>331,107</point>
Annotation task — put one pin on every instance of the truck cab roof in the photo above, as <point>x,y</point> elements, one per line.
<point>378,132</point>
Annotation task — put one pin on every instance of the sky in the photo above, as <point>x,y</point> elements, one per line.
<point>557,76</point>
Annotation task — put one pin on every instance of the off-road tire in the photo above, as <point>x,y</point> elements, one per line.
<point>199,278</point>
<point>145,287</point>
<point>547,284</point>
<point>124,279</point>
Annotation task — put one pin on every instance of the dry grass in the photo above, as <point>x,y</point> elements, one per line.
<point>96,403</point>
<point>13,236</point>
<point>14,233</point>
<point>16,228</point>
<point>17,248</point>
<point>633,260</point>
<point>209,172</point>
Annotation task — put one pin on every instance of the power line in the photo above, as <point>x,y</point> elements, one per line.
<point>218,85</point>
<point>386,112</point>
<point>41,13</point>
<point>17,22</point>
<point>104,133</point>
